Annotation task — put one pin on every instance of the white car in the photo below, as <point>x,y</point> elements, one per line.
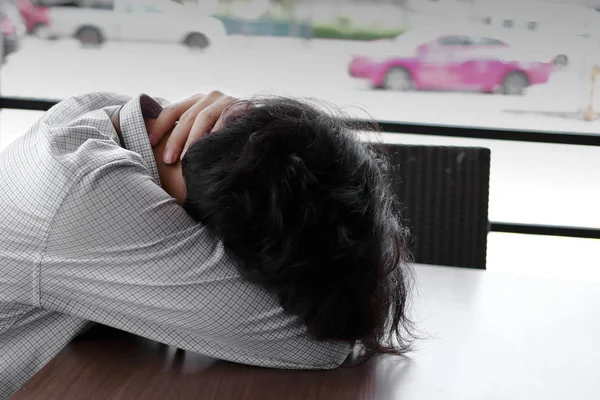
<point>165,21</point>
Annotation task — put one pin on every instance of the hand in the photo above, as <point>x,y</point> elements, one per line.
<point>190,119</point>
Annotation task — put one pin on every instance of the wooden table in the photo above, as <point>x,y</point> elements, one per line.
<point>487,336</point>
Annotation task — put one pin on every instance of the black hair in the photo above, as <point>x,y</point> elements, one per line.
<point>306,210</point>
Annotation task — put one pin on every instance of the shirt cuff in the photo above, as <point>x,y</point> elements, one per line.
<point>133,130</point>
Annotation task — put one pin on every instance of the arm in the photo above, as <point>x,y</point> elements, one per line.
<point>121,252</point>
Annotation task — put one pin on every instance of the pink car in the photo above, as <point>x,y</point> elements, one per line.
<point>35,17</point>
<point>450,62</point>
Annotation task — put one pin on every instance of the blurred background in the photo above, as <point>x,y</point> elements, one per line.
<point>508,64</point>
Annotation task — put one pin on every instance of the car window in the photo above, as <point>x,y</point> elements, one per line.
<point>95,4</point>
<point>151,9</point>
<point>486,41</point>
<point>456,40</point>
<point>102,6</point>
<point>128,8</point>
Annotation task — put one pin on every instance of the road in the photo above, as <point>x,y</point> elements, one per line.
<point>535,183</point>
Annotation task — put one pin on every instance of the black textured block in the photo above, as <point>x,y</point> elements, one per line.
<point>444,192</point>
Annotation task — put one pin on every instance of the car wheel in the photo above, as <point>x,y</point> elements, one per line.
<point>398,79</point>
<point>561,60</point>
<point>514,84</point>
<point>197,41</point>
<point>89,36</point>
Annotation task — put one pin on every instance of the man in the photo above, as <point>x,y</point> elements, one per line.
<point>273,242</point>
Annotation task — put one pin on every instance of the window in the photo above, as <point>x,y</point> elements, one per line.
<point>96,4</point>
<point>306,51</point>
<point>129,8</point>
<point>486,41</point>
<point>454,41</point>
<point>102,6</point>
<point>152,10</point>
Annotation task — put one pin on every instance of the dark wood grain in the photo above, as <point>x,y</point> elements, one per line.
<point>110,364</point>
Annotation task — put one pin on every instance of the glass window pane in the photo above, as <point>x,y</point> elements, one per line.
<point>486,41</point>
<point>546,257</point>
<point>532,68</point>
<point>533,183</point>
<point>332,50</point>
<point>454,41</point>
<point>151,9</point>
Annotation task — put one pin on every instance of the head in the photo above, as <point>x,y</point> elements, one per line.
<point>305,209</point>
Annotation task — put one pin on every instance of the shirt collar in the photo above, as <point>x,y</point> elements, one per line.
<point>133,128</point>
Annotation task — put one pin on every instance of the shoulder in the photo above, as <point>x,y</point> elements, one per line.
<point>78,136</point>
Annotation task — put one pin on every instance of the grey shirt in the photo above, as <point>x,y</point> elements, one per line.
<point>88,234</point>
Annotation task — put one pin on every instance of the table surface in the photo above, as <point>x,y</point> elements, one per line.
<point>486,336</point>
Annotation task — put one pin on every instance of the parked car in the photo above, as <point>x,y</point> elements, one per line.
<point>35,17</point>
<point>10,39</point>
<point>166,22</point>
<point>464,60</point>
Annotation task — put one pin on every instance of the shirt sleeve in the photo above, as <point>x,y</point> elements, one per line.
<point>133,130</point>
<point>121,252</point>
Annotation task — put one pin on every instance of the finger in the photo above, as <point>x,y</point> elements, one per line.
<point>168,117</point>
<point>205,121</point>
<point>180,133</point>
